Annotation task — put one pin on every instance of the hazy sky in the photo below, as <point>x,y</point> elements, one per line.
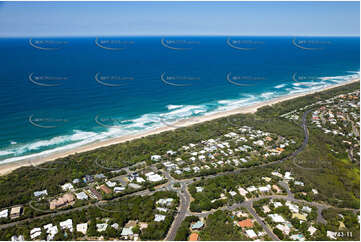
<point>24,19</point>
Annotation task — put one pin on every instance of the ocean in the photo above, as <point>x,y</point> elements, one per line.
<point>60,93</point>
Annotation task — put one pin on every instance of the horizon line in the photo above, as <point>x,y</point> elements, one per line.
<point>171,35</point>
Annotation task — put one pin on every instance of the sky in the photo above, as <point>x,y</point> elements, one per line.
<point>56,19</point>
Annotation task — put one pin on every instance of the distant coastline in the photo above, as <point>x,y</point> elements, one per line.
<point>8,167</point>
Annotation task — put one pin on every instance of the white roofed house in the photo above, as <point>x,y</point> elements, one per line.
<point>276,218</point>
<point>119,189</point>
<point>81,196</point>
<point>111,184</point>
<point>51,230</point>
<point>151,176</point>
<point>171,152</point>
<point>102,227</point>
<point>67,224</point>
<point>155,157</point>
<point>41,193</point>
<point>251,234</point>
<point>159,218</point>
<point>4,213</point>
<point>242,191</point>
<point>17,238</point>
<point>165,201</point>
<point>265,188</point>
<point>251,189</point>
<point>67,187</point>
<point>199,189</point>
<point>35,232</point>
<point>82,228</point>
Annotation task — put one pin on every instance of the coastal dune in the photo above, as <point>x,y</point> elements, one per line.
<point>8,167</point>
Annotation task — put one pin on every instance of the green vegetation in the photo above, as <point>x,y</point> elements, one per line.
<point>220,227</point>
<point>139,208</point>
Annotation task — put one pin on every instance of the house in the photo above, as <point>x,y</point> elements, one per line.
<point>164,210</point>
<point>293,207</point>
<point>232,193</point>
<point>63,201</point>
<point>41,193</point>
<point>266,209</point>
<point>67,224</point>
<point>143,225</point>
<point>15,212</point>
<point>165,202</point>
<point>242,191</point>
<point>251,189</point>
<point>35,232</point>
<point>105,189</point>
<point>115,226</point>
<point>247,223</point>
<point>15,238</point>
<point>119,189</point>
<point>265,188</point>
<point>111,184</point>
<point>159,218</point>
<point>193,237</point>
<point>199,189</point>
<point>306,209</point>
<point>82,228</point>
<point>275,187</point>
<point>315,191</point>
<point>4,213</point>
<point>312,230</point>
<point>276,218</point>
<point>171,152</point>
<point>197,225</point>
<point>277,204</point>
<point>284,228</point>
<point>151,176</point>
<point>126,232</point>
<point>288,176</point>
<point>67,187</point>
<point>134,186</point>
<point>81,196</point>
<point>100,176</point>
<point>102,227</point>
<point>155,157</point>
<point>251,234</point>
<point>51,230</point>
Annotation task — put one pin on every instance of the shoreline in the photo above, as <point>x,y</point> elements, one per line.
<point>10,166</point>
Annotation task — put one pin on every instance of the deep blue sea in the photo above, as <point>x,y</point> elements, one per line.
<point>59,93</point>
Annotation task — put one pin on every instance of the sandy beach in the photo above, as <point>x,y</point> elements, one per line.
<point>8,167</point>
